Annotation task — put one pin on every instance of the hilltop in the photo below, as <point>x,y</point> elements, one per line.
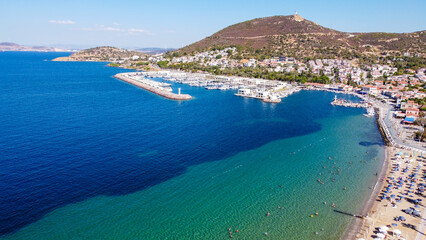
<point>9,46</point>
<point>105,54</point>
<point>297,37</point>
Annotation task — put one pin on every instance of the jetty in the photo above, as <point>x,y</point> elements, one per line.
<point>152,86</point>
<point>347,103</point>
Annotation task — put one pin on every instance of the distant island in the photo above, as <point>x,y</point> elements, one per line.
<point>9,46</point>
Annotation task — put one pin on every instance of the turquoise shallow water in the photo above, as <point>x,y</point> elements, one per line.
<point>112,161</point>
<point>237,192</point>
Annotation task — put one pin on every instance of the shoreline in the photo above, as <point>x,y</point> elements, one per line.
<point>162,93</point>
<point>356,224</point>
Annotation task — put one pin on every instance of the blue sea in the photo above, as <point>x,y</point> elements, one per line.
<point>86,156</point>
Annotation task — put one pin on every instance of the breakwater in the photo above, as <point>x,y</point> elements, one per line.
<point>169,95</point>
<point>384,131</point>
<point>347,103</point>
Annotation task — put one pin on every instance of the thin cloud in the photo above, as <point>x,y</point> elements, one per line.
<point>112,29</point>
<point>137,31</point>
<point>61,21</point>
<point>134,30</point>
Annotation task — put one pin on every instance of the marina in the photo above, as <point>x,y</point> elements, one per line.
<point>264,90</point>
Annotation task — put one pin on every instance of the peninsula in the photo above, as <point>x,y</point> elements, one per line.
<point>103,54</point>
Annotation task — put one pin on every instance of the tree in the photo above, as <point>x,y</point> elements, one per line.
<point>218,56</point>
<point>163,64</point>
<point>420,135</point>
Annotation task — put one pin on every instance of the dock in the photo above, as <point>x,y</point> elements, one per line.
<point>157,90</point>
<point>347,103</point>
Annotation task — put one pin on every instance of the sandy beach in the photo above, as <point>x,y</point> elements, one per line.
<point>401,189</point>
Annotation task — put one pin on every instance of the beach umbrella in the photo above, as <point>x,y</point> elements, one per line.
<point>397,232</point>
<point>394,224</point>
<point>392,196</point>
<point>381,235</point>
<point>383,228</point>
<point>417,206</point>
<point>401,218</point>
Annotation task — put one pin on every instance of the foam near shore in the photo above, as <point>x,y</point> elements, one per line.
<point>160,92</point>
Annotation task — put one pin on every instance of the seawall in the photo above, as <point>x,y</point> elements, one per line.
<point>382,126</point>
<point>157,91</point>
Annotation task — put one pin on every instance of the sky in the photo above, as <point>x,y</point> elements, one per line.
<point>176,23</point>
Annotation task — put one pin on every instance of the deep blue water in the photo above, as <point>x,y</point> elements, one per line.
<point>69,131</point>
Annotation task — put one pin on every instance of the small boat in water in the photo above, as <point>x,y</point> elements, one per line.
<point>370,112</point>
